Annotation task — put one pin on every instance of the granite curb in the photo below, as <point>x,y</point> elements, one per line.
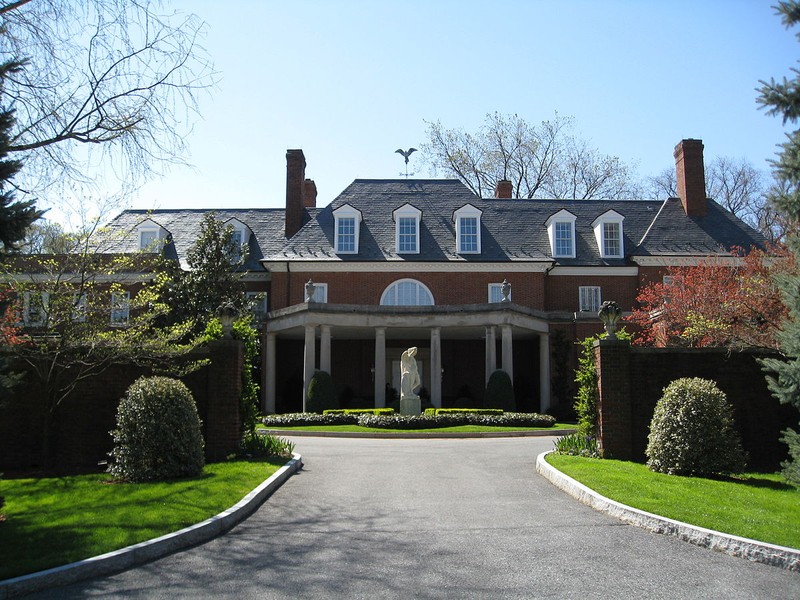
<point>777,556</point>
<point>417,435</point>
<point>127,557</point>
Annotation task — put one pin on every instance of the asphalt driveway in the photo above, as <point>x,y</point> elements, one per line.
<point>436,519</point>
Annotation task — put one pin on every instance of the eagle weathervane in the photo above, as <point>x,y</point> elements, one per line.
<point>406,154</point>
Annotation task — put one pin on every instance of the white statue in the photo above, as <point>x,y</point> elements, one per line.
<point>409,375</point>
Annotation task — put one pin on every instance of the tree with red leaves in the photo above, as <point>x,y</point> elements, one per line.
<point>729,302</point>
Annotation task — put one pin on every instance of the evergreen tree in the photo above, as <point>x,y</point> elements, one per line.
<point>783,99</point>
<point>212,278</point>
<point>15,217</point>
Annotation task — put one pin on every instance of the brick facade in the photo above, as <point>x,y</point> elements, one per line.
<point>80,430</point>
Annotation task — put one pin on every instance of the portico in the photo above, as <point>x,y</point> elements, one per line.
<point>448,337</point>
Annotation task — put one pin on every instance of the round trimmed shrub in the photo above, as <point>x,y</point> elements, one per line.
<point>158,434</point>
<point>500,392</point>
<point>693,432</point>
<point>321,395</point>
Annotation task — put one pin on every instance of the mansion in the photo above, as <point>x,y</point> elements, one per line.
<point>476,284</point>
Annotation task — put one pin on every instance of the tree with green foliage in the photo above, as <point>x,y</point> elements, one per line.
<point>213,278</point>
<point>782,98</point>
<point>321,393</point>
<point>15,216</point>
<point>86,311</point>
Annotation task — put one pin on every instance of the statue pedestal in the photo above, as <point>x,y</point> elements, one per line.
<point>410,406</point>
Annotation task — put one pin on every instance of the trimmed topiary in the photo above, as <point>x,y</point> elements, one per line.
<point>692,431</point>
<point>158,434</point>
<point>321,394</point>
<point>500,392</point>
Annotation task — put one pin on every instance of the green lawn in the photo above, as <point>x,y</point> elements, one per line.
<point>461,428</point>
<point>55,521</point>
<point>753,505</point>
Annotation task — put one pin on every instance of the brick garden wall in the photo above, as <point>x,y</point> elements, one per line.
<point>80,431</point>
<point>631,381</point>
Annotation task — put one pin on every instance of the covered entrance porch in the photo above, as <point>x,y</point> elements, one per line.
<point>360,346</point>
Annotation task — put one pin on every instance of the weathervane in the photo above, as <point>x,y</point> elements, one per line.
<point>406,154</point>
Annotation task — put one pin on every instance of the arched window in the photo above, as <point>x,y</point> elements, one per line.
<point>407,292</point>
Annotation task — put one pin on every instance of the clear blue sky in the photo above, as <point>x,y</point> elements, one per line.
<point>351,81</point>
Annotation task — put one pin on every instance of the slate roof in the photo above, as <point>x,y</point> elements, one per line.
<point>183,225</point>
<point>511,230</point>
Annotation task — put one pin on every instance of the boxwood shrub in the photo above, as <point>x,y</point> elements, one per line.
<point>321,393</point>
<point>500,392</point>
<point>692,431</point>
<point>158,434</point>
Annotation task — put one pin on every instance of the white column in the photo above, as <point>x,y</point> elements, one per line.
<point>491,353</point>
<point>544,373</point>
<point>269,376</point>
<point>308,360</point>
<point>508,352</point>
<point>380,367</point>
<point>325,348</point>
<point>436,367</point>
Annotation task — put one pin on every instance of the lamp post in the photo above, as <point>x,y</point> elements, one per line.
<point>609,314</point>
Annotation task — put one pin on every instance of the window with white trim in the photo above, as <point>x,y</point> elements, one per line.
<point>407,292</point>
<point>407,219</point>
<point>608,233</point>
<point>120,308</point>
<point>151,236</point>
<point>589,298</point>
<point>467,220</point>
<point>35,307</point>
<point>320,293</point>
<point>496,293</point>
<point>347,221</point>
<point>240,238</point>
<point>561,232</point>
<point>148,239</point>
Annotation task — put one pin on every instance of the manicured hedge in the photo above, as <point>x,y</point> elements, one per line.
<point>298,419</point>
<point>456,420</point>
<point>359,411</point>
<point>476,411</point>
<point>451,419</point>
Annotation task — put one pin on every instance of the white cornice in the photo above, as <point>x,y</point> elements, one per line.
<point>405,267</point>
<point>598,271</point>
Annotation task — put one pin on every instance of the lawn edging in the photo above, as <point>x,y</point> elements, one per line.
<point>771,554</point>
<point>125,558</point>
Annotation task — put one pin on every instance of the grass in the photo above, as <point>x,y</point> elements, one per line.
<point>458,429</point>
<point>55,521</point>
<point>754,505</point>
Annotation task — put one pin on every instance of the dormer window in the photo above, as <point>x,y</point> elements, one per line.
<point>151,236</point>
<point>608,233</point>
<point>467,220</point>
<point>347,221</point>
<point>240,238</point>
<point>561,232</point>
<point>407,219</point>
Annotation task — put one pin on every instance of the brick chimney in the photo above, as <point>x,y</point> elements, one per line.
<point>309,194</point>
<point>504,189</point>
<point>691,178</point>
<point>295,188</point>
